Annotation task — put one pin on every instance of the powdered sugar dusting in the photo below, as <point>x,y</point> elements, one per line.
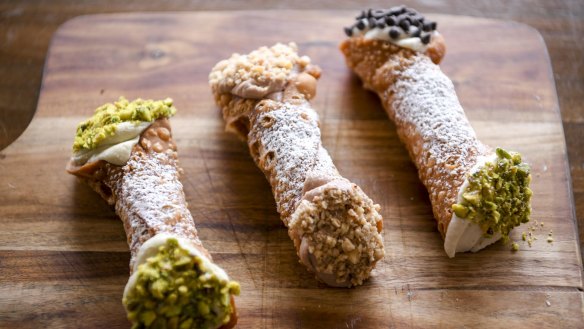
<point>338,224</point>
<point>283,136</point>
<point>150,199</point>
<point>289,149</point>
<point>429,118</point>
<point>425,98</point>
<point>438,136</point>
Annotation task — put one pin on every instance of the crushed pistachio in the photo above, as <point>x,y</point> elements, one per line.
<point>174,289</point>
<point>104,121</point>
<point>498,196</point>
<point>550,238</point>
<point>515,246</point>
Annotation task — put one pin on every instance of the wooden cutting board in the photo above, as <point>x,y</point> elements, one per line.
<point>63,254</point>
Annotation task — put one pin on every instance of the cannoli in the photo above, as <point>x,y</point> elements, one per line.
<point>478,194</point>
<point>126,153</point>
<point>264,97</point>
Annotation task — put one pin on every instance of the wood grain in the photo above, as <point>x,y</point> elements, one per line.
<point>63,258</point>
<point>27,26</point>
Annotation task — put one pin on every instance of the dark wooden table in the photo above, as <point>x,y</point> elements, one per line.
<point>26,28</point>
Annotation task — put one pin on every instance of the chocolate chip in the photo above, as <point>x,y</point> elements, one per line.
<point>362,15</point>
<point>404,24</point>
<point>417,20</point>
<point>427,27</point>
<point>434,25</point>
<point>380,23</point>
<point>394,32</point>
<point>378,13</point>
<point>389,20</point>
<point>414,32</point>
<point>403,17</point>
<point>397,10</point>
<point>369,12</point>
<point>349,31</point>
<point>360,25</point>
<point>425,38</point>
<point>372,23</point>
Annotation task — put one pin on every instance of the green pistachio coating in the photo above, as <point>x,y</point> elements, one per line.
<point>174,289</point>
<point>497,197</point>
<point>106,117</point>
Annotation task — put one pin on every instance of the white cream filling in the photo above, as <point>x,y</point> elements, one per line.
<point>463,235</point>
<point>150,249</point>
<point>115,149</point>
<point>405,41</point>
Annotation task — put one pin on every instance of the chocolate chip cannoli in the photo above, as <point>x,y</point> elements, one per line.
<point>478,194</point>
<point>126,153</point>
<point>335,226</point>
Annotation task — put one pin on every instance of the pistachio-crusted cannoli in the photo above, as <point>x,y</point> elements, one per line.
<point>478,195</point>
<point>126,153</point>
<point>264,96</point>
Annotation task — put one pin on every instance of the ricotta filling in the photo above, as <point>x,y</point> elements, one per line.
<point>405,40</point>
<point>115,149</point>
<point>464,235</point>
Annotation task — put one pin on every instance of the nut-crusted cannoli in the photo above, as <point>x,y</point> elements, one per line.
<point>264,96</point>
<point>126,153</point>
<point>478,194</point>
